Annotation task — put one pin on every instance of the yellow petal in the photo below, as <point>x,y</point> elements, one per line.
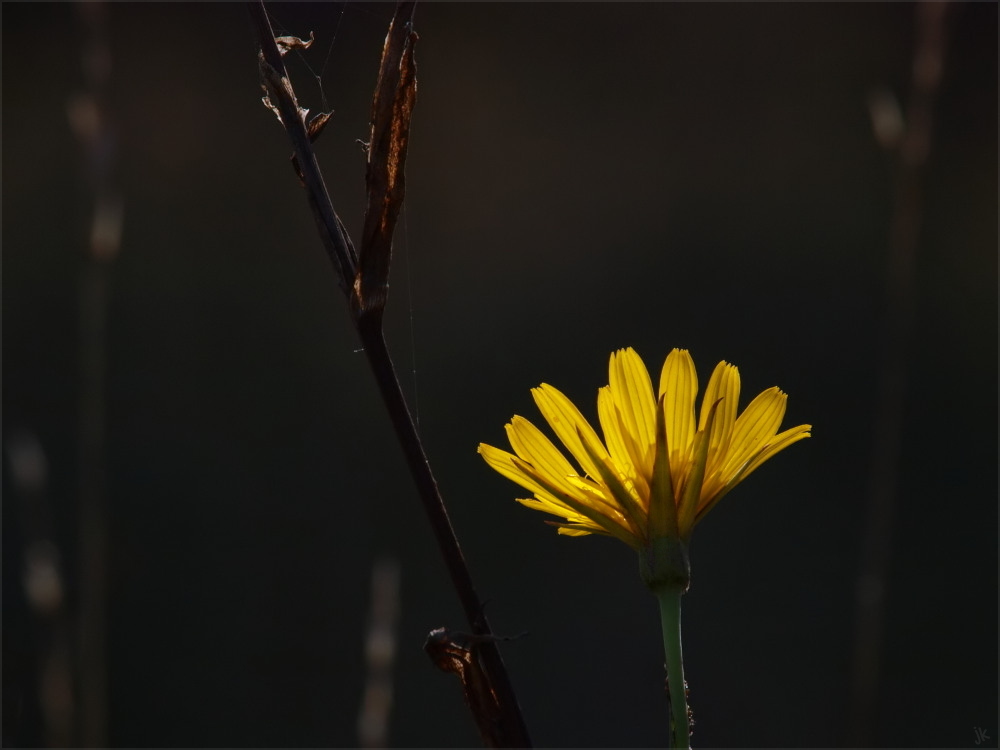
<point>754,428</point>
<point>503,462</point>
<point>573,530</point>
<point>530,444</point>
<point>725,385</point>
<point>616,525</point>
<point>619,443</point>
<point>565,420</point>
<point>632,390</point>
<point>544,504</point>
<point>598,497</point>
<point>679,386</point>
<point>691,495</point>
<point>777,444</point>
<point>626,456</point>
<point>623,495</point>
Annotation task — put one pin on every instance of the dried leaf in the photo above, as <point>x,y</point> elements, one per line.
<point>316,125</point>
<point>456,653</point>
<point>286,43</point>
<point>271,83</point>
<point>392,107</point>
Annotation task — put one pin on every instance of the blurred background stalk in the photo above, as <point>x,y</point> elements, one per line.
<point>908,137</point>
<point>44,586</point>
<point>380,654</point>
<point>91,122</point>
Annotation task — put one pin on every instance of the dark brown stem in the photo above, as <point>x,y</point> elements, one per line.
<point>511,726</point>
<point>279,90</point>
<point>364,283</point>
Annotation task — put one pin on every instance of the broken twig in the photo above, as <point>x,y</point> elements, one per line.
<point>364,279</point>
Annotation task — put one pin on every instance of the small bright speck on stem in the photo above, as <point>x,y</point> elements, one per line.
<point>658,471</point>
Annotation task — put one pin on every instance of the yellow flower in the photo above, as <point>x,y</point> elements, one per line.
<point>659,470</point>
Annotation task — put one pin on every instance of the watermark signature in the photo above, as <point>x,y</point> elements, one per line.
<point>980,735</point>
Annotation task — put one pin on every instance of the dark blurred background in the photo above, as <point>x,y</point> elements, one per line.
<point>582,177</point>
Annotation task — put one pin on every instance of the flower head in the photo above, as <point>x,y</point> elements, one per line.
<point>660,467</point>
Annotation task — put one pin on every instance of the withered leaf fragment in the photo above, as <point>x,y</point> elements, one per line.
<point>458,653</point>
<point>392,107</point>
<point>286,43</point>
<point>316,125</point>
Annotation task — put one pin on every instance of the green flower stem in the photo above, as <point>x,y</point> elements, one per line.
<point>669,598</point>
